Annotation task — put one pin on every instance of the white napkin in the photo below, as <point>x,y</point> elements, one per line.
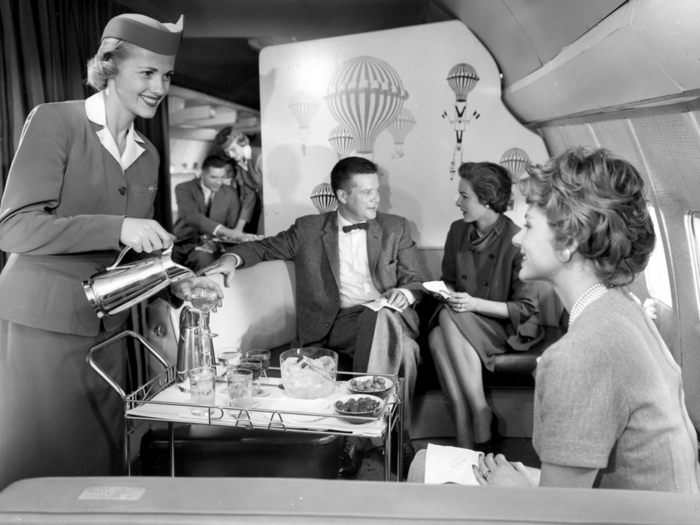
<point>437,287</point>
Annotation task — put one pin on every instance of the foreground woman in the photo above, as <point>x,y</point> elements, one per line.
<point>490,310</point>
<point>81,187</point>
<point>609,404</point>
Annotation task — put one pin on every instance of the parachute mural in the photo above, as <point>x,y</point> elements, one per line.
<point>341,141</point>
<point>365,95</point>
<point>515,160</point>
<point>401,127</point>
<point>323,198</point>
<point>462,79</point>
<point>304,107</point>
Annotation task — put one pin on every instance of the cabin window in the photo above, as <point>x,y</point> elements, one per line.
<point>656,273</point>
<point>693,229</point>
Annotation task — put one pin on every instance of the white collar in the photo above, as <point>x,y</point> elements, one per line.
<point>96,112</point>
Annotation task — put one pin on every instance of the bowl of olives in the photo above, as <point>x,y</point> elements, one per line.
<point>359,407</point>
<point>374,385</point>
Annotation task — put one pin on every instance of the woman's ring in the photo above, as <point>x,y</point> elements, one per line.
<point>486,474</point>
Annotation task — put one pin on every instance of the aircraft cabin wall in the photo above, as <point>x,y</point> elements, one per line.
<point>632,86</point>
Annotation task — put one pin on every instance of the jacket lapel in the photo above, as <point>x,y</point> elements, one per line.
<point>374,244</point>
<point>330,244</point>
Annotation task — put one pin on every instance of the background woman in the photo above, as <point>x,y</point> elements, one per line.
<point>609,405</point>
<point>81,187</point>
<point>490,310</point>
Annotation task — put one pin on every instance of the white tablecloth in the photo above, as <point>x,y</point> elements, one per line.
<point>273,413</point>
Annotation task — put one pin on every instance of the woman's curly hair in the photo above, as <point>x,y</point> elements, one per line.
<point>490,182</point>
<point>105,64</point>
<point>598,200</point>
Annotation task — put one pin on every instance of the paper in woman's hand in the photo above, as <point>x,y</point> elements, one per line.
<point>438,287</point>
<point>450,465</point>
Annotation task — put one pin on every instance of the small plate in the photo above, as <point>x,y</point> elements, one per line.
<point>374,414</point>
<point>388,385</point>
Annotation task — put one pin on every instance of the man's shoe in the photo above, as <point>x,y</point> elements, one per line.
<point>350,459</point>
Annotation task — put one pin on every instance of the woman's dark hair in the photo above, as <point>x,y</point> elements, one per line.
<point>491,183</point>
<point>598,200</point>
<point>344,169</point>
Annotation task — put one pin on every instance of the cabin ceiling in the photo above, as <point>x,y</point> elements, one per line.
<point>218,55</point>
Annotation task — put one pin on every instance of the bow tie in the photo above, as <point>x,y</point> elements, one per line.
<point>358,226</point>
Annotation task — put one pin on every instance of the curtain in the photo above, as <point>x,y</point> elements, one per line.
<point>44,49</point>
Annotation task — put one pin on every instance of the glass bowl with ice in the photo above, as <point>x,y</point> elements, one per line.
<point>309,373</point>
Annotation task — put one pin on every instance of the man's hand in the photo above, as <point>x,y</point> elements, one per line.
<point>144,235</point>
<point>183,288</point>
<point>396,297</point>
<point>225,266</point>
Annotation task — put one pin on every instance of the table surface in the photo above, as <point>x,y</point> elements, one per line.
<point>276,411</point>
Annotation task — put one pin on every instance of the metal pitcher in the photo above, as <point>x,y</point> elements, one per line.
<point>195,347</point>
<point>118,288</point>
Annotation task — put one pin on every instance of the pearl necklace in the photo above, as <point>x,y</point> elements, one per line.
<point>594,293</point>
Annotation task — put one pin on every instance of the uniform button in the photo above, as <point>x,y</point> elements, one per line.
<point>336,298</point>
<point>328,324</point>
<point>122,190</point>
<point>486,283</point>
<point>464,277</point>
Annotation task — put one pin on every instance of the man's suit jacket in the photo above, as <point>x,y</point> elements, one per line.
<point>312,243</point>
<point>191,210</point>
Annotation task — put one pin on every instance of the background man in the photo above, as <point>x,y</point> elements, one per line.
<point>342,261</point>
<point>206,208</point>
<point>236,145</point>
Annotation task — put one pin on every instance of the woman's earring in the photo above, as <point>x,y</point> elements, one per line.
<point>487,206</point>
<point>565,255</point>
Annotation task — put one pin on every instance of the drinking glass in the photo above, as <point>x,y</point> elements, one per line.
<point>239,384</point>
<point>255,366</point>
<point>263,355</point>
<point>229,356</point>
<point>203,299</point>
<point>202,391</point>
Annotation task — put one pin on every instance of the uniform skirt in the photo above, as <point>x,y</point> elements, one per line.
<point>57,416</point>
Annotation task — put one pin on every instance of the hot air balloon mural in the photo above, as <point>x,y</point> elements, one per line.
<point>462,79</point>
<point>323,198</point>
<point>341,141</point>
<point>401,127</point>
<point>304,106</point>
<point>365,95</point>
<point>515,160</point>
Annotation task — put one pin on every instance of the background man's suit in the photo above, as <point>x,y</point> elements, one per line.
<point>193,219</point>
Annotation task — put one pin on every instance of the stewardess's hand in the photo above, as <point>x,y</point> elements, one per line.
<point>144,235</point>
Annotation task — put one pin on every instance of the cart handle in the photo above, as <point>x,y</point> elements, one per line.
<point>126,333</point>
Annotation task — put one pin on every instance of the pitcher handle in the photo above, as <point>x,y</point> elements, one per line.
<point>168,251</point>
<point>119,259</point>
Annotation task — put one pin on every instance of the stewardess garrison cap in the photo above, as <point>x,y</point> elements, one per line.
<point>145,32</point>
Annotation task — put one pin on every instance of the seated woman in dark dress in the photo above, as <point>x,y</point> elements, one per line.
<point>490,310</point>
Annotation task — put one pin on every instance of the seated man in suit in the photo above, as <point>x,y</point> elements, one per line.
<point>343,260</point>
<point>206,208</point>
